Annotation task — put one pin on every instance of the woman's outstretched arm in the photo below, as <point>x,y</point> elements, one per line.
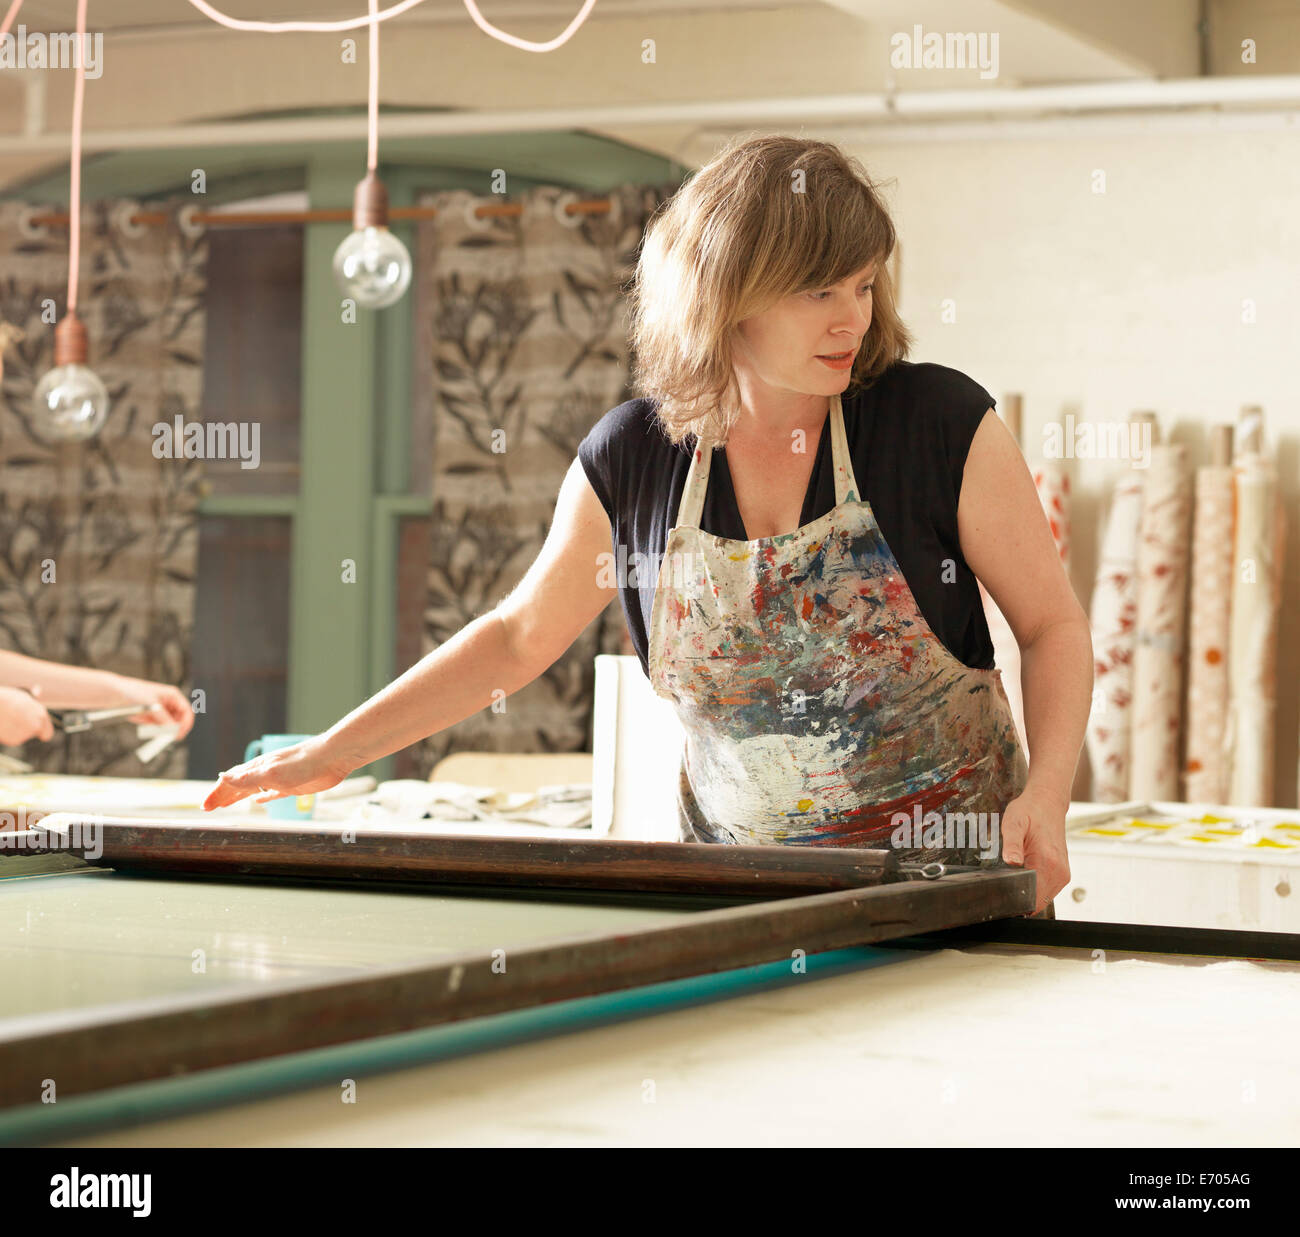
<point>493,656</point>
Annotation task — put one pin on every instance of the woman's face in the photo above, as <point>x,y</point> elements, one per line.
<point>781,347</point>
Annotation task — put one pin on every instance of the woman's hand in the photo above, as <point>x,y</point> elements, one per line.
<point>1033,836</point>
<point>165,698</point>
<point>23,717</point>
<point>303,769</point>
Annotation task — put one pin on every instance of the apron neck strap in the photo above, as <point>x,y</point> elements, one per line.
<point>846,484</point>
<point>691,506</point>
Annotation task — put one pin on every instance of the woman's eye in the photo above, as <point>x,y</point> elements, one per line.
<point>817,296</point>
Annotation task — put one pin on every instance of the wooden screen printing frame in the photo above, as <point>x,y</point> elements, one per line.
<point>765,902</point>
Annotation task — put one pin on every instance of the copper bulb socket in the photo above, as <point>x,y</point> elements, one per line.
<point>370,203</point>
<point>71,345</point>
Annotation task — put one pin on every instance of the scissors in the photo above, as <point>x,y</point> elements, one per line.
<point>75,721</point>
<point>78,720</point>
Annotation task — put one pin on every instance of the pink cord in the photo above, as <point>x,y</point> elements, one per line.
<point>74,202</point>
<point>9,16</point>
<point>353,23</point>
<point>372,127</point>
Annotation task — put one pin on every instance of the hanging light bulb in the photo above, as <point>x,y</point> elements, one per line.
<point>372,266</point>
<point>71,402</point>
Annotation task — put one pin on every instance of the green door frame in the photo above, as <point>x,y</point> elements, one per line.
<point>355,472</point>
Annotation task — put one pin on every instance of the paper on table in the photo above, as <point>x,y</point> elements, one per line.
<point>407,799</point>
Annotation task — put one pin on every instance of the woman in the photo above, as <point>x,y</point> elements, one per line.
<point>824,645</point>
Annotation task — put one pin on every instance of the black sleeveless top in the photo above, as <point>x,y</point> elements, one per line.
<point>909,431</point>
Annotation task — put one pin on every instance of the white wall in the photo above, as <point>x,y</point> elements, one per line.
<point>1103,303</point>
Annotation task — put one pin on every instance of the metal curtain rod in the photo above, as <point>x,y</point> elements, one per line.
<point>261,218</point>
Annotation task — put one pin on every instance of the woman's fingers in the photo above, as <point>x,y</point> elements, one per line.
<point>257,777</point>
<point>233,785</point>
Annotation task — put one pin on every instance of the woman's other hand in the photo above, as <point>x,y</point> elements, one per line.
<point>1033,836</point>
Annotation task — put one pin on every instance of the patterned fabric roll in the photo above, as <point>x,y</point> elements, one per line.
<point>1257,559</point>
<point>1113,617</point>
<point>1207,766</point>
<point>1164,553</point>
<point>1053,485</point>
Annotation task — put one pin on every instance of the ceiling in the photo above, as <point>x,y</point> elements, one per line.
<point>168,69</point>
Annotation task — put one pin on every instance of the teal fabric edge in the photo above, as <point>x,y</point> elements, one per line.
<point>143,1103</point>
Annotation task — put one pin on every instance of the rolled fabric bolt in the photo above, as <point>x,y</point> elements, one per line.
<point>1053,485</point>
<point>1164,552</point>
<point>1257,558</point>
<point>1207,767</point>
<point>1113,618</point>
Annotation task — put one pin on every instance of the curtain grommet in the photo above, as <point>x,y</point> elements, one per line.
<point>124,221</point>
<point>186,220</point>
<point>476,222</point>
<point>569,220</point>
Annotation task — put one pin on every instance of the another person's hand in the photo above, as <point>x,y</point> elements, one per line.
<point>303,769</point>
<point>23,717</point>
<point>1033,836</point>
<point>170,701</point>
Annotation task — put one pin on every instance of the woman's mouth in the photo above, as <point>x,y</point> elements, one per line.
<point>843,360</point>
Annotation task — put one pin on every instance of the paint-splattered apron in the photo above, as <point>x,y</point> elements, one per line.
<point>818,707</point>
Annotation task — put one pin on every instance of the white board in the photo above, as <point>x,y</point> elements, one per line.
<point>637,749</point>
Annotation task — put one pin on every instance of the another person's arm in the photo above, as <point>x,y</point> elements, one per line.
<point>83,687</point>
<point>496,654</point>
<point>1007,542</point>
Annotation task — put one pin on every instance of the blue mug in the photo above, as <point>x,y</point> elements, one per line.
<point>293,807</point>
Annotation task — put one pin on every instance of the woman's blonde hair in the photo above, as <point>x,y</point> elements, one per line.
<point>767,217</point>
